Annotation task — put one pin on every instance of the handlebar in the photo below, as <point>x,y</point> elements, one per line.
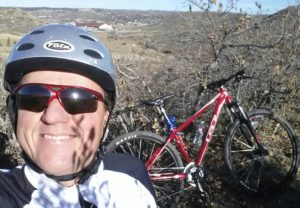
<point>238,76</point>
<point>158,101</point>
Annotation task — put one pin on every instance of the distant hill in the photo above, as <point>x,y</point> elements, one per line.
<point>105,15</point>
<point>16,21</point>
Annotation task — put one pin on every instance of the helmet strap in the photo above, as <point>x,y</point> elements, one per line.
<point>12,110</point>
<point>81,176</point>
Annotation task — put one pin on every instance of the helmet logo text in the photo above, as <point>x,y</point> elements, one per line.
<point>58,46</point>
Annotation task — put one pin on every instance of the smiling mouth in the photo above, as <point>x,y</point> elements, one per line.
<point>57,137</point>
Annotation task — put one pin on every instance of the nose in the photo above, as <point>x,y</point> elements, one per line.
<point>55,113</point>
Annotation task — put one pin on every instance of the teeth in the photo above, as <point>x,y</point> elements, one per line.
<point>57,137</point>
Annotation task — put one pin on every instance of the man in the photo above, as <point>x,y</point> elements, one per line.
<point>62,88</point>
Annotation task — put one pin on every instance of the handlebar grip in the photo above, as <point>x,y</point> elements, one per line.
<point>241,72</point>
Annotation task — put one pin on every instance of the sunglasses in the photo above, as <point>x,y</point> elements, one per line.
<point>75,100</point>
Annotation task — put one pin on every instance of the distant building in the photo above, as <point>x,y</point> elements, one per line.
<point>92,25</point>
<point>106,27</point>
<point>89,24</point>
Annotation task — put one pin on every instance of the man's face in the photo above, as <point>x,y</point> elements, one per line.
<point>56,141</point>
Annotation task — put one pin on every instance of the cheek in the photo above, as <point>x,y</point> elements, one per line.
<point>26,123</point>
<point>26,120</point>
<point>92,126</point>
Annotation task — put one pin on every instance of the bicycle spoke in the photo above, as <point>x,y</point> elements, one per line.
<point>167,193</point>
<point>168,163</point>
<point>140,149</point>
<point>123,148</point>
<point>268,165</point>
<point>243,143</point>
<point>252,177</point>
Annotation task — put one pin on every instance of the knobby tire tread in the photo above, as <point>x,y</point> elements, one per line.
<point>134,139</point>
<point>263,167</point>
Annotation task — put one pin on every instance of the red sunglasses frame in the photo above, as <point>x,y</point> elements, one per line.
<point>54,94</point>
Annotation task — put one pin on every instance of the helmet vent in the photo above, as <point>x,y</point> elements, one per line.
<point>87,37</point>
<point>25,46</point>
<point>37,32</point>
<point>93,54</point>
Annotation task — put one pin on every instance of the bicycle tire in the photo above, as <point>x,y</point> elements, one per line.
<point>142,145</point>
<point>258,173</point>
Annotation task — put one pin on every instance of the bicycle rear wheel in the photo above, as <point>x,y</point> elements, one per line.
<point>142,145</point>
<point>255,171</point>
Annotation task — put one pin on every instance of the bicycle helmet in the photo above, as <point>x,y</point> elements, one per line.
<point>64,47</point>
<point>60,47</point>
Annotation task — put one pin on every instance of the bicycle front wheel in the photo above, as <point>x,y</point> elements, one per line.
<point>259,171</point>
<point>143,145</point>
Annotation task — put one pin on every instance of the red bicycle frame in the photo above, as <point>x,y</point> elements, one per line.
<point>221,98</point>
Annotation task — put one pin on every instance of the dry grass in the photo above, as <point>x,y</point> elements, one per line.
<point>173,57</point>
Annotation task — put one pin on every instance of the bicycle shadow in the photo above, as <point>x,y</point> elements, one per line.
<point>231,195</point>
<point>225,193</point>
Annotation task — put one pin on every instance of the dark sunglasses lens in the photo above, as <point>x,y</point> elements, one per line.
<point>32,98</point>
<point>76,100</point>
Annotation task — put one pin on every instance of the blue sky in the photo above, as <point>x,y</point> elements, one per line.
<point>268,6</point>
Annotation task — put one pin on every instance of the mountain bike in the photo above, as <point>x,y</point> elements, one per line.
<point>261,149</point>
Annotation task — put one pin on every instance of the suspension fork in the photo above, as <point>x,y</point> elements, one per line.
<point>239,113</point>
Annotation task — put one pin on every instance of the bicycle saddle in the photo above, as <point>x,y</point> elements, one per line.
<point>158,101</point>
